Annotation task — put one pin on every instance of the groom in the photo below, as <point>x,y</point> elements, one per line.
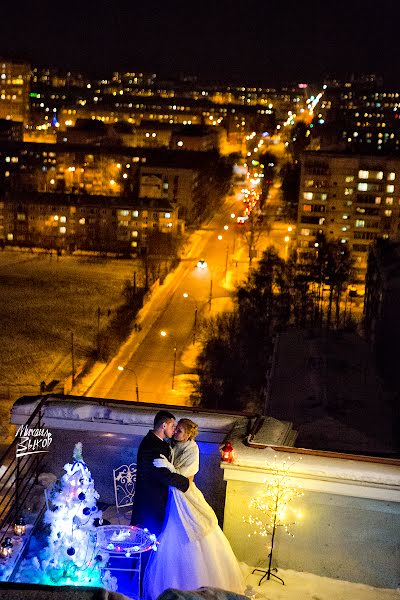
<point>151,492</point>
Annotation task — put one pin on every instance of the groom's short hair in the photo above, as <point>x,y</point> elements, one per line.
<point>161,417</point>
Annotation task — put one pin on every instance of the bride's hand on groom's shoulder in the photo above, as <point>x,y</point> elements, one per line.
<point>163,462</point>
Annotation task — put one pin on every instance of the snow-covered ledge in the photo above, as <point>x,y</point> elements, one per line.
<point>351,513</point>
<point>378,479</point>
<point>118,417</point>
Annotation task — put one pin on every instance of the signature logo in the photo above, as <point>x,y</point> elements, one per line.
<point>32,441</point>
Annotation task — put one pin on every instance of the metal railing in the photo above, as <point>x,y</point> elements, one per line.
<point>19,476</point>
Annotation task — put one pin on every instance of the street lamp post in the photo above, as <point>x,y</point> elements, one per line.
<point>164,334</point>
<point>287,240</point>
<point>226,260</point>
<point>121,368</point>
<point>186,295</point>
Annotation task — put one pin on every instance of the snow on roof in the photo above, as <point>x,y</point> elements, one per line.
<point>91,413</point>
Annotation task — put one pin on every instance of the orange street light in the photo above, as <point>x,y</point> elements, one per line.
<point>121,368</point>
<point>186,295</point>
<point>164,334</point>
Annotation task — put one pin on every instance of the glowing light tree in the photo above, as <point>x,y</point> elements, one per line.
<point>270,510</point>
<point>71,556</point>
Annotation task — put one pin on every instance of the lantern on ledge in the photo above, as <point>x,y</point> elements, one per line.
<point>6,548</point>
<point>227,453</point>
<point>20,526</point>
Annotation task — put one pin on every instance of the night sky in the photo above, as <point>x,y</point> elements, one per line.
<point>252,42</point>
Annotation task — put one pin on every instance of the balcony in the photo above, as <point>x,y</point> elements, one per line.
<point>347,545</point>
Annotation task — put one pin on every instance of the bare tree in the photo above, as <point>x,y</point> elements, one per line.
<point>251,231</point>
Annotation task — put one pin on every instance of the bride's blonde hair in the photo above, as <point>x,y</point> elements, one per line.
<point>190,427</point>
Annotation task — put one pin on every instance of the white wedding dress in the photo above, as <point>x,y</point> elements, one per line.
<point>193,550</point>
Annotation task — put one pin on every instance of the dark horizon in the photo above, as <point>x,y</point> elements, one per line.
<point>252,44</point>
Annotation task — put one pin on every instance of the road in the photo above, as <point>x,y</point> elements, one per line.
<point>159,369</point>
<point>152,370</point>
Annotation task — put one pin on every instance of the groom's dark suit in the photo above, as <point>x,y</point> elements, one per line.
<point>151,492</point>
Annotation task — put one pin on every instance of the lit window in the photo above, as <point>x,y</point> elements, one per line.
<point>363,174</point>
<point>391,176</point>
<point>348,191</point>
<point>378,200</point>
<point>309,183</point>
<point>304,232</point>
<point>349,178</point>
<point>135,233</point>
<point>362,187</point>
<point>307,207</point>
<point>135,213</point>
<point>10,237</point>
<point>388,213</point>
<point>345,216</point>
<point>63,219</point>
<point>390,189</point>
<point>324,196</point>
<point>180,143</point>
<point>344,228</point>
<point>308,195</point>
<point>389,200</point>
<point>123,213</point>
<point>134,244</point>
<point>379,175</point>
<point>344,241</point>
<point>21,216</point>
<point>360,223</point>
<point>167,215</point>
<point>63,229</point>
<point>82,221</point>
<point>55,217</point>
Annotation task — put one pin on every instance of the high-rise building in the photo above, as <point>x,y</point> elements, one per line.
<point>352,198</point>
<point>360,116</point>
<point>14,90</point>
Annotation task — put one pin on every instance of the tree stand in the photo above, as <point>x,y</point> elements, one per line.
<point>268,573</point>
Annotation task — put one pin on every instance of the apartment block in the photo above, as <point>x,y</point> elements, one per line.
<point>70,221</point>
<point>14,90</point>
<point>352,198</point>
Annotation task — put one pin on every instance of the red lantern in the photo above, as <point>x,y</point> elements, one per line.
<point>227,453</point>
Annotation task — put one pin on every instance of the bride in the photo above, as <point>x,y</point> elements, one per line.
<point>193,550</point>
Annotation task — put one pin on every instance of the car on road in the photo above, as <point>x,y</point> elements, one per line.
<point>201,264</point>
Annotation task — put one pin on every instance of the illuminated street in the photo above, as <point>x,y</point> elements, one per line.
<point>150,355</point>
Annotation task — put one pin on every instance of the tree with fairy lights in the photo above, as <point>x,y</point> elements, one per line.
<point>269,510</point>
<point>72,556</point>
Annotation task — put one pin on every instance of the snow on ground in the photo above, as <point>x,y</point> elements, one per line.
<point>306,586</point>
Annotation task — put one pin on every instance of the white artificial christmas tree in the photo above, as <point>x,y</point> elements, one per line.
<point>72,556</point>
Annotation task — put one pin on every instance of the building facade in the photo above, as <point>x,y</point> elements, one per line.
<point>14,90</point>
<point>72,222</point>
<point>352,198</point>
<point>381,308</point>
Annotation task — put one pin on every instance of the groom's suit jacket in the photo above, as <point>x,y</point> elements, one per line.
<point>151,491</point>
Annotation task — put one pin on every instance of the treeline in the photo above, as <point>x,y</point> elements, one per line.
<point>237,351</point>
